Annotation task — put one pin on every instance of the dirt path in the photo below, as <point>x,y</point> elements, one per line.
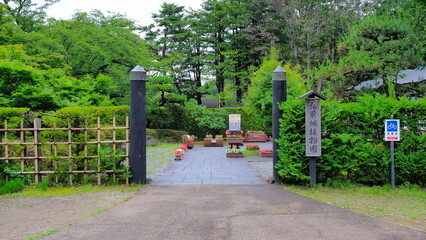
<point>22,218</point>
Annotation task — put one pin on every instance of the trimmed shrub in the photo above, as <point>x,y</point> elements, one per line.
<point>353,148</point>
<point>170,134</point>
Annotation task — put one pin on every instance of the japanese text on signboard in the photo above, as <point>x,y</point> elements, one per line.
<point>234,122</point>
<point>313,127</point>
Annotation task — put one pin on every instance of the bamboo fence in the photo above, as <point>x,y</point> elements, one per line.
<point>32,153</point>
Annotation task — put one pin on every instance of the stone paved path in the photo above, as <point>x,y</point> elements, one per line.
<point>209,165</point>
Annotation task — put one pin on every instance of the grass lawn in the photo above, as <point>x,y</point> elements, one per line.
<point>33,191</point>
<point>403,205</point>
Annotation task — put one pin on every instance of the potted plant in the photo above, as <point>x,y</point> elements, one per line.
<point>266,152</point>
<point>234,153</point>
<point>179,154</point>
<point>210,141</point>
<point>255,136</point>
<point>190,143</point>
<point>234,139</point>
<point>252,147</point>
<point>188,140</point>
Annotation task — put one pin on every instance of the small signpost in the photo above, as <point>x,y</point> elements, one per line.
<point>392,134</point>
<point>313,131</point>
<point>234,122</point>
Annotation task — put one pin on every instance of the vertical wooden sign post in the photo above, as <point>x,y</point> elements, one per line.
<point>313,131</point>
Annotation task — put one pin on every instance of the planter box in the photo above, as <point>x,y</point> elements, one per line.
<point>256,137</point>
<point>234,155</point>
<point>179,157</point>
<point>235,140</point>
<point>252,149</point>
<point>268,154</point>
<point>213,142</point>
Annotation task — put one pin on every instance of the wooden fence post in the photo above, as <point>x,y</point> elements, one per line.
<point>37,151</point>
<point>3,149</point>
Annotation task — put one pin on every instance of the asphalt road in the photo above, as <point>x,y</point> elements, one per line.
<point>256,211</point>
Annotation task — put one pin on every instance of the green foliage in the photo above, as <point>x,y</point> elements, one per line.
<point>152,132</point>
<point>247,120</point>
<point>259,94</point>
<point>165,109</point>
<point>378,47</point>
<point>292,165</point>
<point>43,185</point>
<point>76,116</point>
<point>12,113</point>
<point>25,86</point>
<point>170,134</point>
<point>352,144</point>
<point>212,121</point>
<point>11,186</point>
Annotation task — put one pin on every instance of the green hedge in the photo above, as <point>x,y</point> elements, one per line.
<point>170,134</point>
<point>353,148</point>
<point>76,116</point>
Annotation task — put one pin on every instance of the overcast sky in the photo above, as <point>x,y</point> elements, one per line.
<point>140,11</point>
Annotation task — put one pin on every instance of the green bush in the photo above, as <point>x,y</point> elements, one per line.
<point>11,187</point>
<point>170,134</point>
<point>14,116</point>
<point>353,148</point>
<point>152,132</point>
<point>76,116</point>
<point>247,121</point>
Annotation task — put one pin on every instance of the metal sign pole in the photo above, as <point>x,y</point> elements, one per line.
<point>392,134</point>
<point>392,156</point>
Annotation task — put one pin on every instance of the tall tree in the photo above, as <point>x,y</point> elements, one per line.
<point>27,14</point>
<point>225,23</point>
<point>307,32</point>
<point>96,44</point>
<point>167,36</point>
<point>379,46</point>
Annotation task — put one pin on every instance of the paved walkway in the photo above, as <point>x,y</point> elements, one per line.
<point>209,165</point>
<point>180,204</point>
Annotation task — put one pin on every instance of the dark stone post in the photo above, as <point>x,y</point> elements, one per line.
<point>138,79</point>
<point>279,95</point>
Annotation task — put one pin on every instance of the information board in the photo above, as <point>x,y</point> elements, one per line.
<point>392,130</point>
<point>234,122</point>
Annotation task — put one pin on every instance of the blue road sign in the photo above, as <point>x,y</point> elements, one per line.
<point>392,130</point>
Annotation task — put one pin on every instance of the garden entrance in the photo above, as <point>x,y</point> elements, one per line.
<point>138,77</point>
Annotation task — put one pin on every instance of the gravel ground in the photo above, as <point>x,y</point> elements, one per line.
<point>22,218</point>
<point>264,169</point>
<point>26,217</point>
